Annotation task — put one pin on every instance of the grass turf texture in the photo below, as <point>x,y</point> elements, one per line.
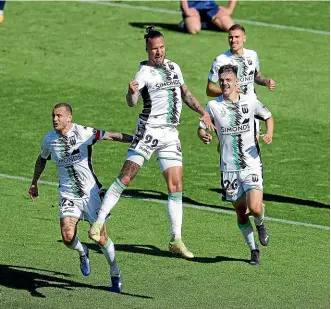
<point>85,54</point>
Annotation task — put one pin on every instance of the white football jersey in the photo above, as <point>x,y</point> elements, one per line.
<point>248,66</point>
<point>72,155</point>
<point>159,88</point>
<point>234,124</point>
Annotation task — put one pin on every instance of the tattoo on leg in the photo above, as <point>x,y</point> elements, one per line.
<point>129,169</point>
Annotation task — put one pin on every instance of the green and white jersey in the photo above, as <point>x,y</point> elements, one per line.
<point>234,124</point>
<point>159,88</point>
<point>248,66</point>
<point>72,155</point>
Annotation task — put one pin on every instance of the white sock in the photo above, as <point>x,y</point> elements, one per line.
<point>76,245</point>
<point>109,252</point>
<point>175,213</point>
<point>259,220</point>
<point>111,198</point>
<point>248,233</point>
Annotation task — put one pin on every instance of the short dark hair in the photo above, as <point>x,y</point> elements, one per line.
<point>228,68</point>
<point>151,33</point>
<point>66,105</point>
<point>237,27</point>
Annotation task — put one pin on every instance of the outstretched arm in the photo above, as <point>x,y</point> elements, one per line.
<point>195,105</point>
<point>118,137</point>
<point>38,170</point>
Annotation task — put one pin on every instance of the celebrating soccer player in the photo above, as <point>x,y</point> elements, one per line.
<point>241,166</point>
<point>160,83</point>
<point>70,147</point>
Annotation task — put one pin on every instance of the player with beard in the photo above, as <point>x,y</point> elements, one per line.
<point>159,81</point>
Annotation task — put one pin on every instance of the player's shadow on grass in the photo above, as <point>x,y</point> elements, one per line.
<point>155,251</point>
<point>31,279</point>
<point>156,195</point>
<point>171,27</point>
<point>287,199</point>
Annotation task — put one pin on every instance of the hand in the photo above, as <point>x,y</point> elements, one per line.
<point>207,121</point>
<point>33,192</point>
<point>271,84</point>
<point>267,138</point>
<point>133,87</point>
<point>238,89</point>
<point>206,139</point>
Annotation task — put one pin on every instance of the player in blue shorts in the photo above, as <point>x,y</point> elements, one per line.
<point>2,8</point>
<point>199,15</point>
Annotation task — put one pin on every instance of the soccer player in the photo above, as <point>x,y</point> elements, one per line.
<point>241,166</point>
<point>70,147</point>
<point>247,62</point>
<point>160,83</point>
<point>206,15</point>
<point>2,8</point>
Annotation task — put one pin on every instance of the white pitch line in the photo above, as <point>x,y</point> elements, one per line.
<point>243,21</point>
<point>199,207</point>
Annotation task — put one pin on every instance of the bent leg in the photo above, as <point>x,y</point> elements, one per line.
<point>193,24</point>
<point>108,249</point>
<point>113,194</point>
<point>222,20</point>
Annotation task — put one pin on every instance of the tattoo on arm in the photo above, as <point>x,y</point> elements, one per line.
<point>129,170</point>
<point>190,100</point>
<point>38,169</point>
<point>119,137</point>
<point>260,79</point>
<point>132,99</point>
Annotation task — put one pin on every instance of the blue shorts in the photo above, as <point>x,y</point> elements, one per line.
<point>206,9</point>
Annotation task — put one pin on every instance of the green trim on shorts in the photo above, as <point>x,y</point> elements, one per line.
<point>140,154</point>
<point>175,196</point>
<point>167,158</point>
<point>254,188</point>
<point>245,225</point>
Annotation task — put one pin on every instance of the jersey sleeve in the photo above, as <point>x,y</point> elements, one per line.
<point>261,112</point>
<point>45,152</point>
<point>139,77</point>
<point>92,135</point>
<point>213,73</point>
<point>180,74</point>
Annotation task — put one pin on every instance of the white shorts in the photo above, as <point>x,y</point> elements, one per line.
<point>235,184</point>
<point>163,141</point>
<point>83,209</point>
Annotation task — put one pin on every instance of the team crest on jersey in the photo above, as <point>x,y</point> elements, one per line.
<point>223,113</point>
<point>249,61</point>
<point>255,178</point>
<point>72,140</point>
<point>244,108</point>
